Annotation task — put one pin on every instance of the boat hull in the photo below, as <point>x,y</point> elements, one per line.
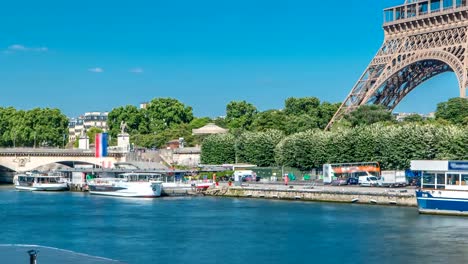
<point>138,190</point>
<point>442,202</point>
<point>44,187</point>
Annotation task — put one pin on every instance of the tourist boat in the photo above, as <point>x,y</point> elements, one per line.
<point>444,187</point>
<point>35,181</point>
<point>127,185</point>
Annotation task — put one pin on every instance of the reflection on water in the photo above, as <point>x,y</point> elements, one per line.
<point>216,230</point>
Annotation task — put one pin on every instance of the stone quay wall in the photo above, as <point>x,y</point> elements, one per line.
<point>395,197</point>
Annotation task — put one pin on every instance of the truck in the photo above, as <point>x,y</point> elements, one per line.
<point>393,179</point>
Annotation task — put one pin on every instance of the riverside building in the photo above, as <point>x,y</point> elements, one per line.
<point>77,126</point>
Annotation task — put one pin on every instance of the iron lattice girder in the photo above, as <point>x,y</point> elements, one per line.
<point>409,56</point>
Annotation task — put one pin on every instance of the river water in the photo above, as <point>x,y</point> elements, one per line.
<point>223,230</point>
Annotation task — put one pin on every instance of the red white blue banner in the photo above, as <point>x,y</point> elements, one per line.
<point>101,145</point>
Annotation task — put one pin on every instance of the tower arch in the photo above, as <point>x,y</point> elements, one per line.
<point>421,41</point>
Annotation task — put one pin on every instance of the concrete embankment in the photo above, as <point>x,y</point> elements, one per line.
<point>361,195</point>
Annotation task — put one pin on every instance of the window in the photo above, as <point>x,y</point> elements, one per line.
<point>464,179</point>
<point>423,8</point>
<point>448,4</point>
<point>460,3</point>
<point>428,180</point>
<point>411,10</point>
<point>440,181</point>
<point>435,6</point>
<point>453,179</point>
<point>388,16</point>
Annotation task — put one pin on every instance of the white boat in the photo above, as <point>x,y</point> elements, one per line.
<point>444,187</point>
<point>34,181</point>
<point>127,185</point>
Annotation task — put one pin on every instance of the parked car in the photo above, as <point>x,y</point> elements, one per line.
<point>339,182</point>
<point>249,178</point>
<point>352,181</point>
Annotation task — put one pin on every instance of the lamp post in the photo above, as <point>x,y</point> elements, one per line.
<point>14,139</point>
<point>34,139</point>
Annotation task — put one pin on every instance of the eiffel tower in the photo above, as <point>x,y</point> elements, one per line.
<point>423,38</point>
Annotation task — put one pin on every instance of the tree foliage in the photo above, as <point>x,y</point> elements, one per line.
<point>240,115</point>
<point>163,113</point>
<point>455,111</point>
<point>369,114</point>
<point>164,119</point>
<point>135,119</point>
<point>43,126</point>
<point>258,147</point>
<point>393,146</point>
<point>413,118</point>
<point>218,149</point>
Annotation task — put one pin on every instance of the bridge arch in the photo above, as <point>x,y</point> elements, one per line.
<point>408,71</point>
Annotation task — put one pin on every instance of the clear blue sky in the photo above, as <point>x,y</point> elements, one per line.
<point>93,55</point>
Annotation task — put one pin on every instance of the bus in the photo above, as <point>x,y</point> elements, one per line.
<point>344,171</point>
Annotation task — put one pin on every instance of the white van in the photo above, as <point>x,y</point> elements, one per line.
<point>241,174</point>
<point>368,180</point>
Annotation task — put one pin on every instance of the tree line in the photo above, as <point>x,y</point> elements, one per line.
<point>28,128</point>
<point>165,119</point>
<point>370,133</point>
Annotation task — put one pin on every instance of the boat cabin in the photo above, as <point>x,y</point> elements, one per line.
<point>442,174</point>
<point>138,177</point>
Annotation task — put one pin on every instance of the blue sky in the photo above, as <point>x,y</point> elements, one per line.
<point>95,55</point>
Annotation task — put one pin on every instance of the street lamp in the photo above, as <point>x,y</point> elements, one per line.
<point>14,139</point>
<point>34,139</point>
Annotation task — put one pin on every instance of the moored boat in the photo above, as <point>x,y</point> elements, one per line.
<point>127,185</point>
<point>35,181</point>
<point>444,187</point>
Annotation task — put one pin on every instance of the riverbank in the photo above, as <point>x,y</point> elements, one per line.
<point>337,194</point>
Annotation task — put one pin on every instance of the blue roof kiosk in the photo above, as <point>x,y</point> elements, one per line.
<point>442,174</point>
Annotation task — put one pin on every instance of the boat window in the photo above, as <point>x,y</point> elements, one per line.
<point>428,180</point>
<point>440,181</point>
<point>464,179</point>
<point>453,179</point>
<point>142,177</point>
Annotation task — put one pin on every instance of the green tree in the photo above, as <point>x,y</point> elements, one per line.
<point>455,110</point>
<point>305,105</point>
<point>369,114</point>
<point>43,126</point>
<point>258,147</point>
<point>413,118</point>
<point>91,133</point>
<point>326,111</point>
<point>218,149</point>
<point>271,119</point>
<point>136,120</point>
<point>163,113</point>
<point>240,115</point>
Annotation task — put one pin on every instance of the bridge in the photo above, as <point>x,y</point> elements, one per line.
<point>27,159</point>
<point>423,38</point>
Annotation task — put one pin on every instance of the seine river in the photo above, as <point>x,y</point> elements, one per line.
<point>221,230</point>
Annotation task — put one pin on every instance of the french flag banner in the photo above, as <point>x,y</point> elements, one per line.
<point>101,145</point>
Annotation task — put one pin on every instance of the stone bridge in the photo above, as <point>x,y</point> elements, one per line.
<point>27,159</point>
